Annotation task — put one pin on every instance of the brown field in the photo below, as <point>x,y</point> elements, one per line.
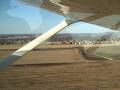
<point>59,67</point>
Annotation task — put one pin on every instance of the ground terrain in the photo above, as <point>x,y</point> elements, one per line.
<point>59,67</point>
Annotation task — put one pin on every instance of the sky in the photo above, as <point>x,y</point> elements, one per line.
<point>19,18</point>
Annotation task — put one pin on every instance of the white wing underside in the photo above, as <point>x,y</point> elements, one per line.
<point>105,13</point>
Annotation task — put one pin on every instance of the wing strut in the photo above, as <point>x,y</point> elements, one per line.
<point>4,63</point>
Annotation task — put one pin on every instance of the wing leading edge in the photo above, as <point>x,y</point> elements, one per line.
<point>91,11</point>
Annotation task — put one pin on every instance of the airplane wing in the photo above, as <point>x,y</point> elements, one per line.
<point>100,12</point>
<point>105,13</point>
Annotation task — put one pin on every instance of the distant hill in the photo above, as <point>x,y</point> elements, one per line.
<point>24,38</point>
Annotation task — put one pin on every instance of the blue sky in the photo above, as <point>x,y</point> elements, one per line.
<point>18,18</point>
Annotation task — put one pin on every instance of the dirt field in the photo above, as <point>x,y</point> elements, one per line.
<point>59,68</point>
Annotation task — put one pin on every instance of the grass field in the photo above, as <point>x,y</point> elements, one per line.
<point>112,52</point>
<point>59,68</point>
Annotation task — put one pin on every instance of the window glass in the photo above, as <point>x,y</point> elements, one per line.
<point>21,23</point>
